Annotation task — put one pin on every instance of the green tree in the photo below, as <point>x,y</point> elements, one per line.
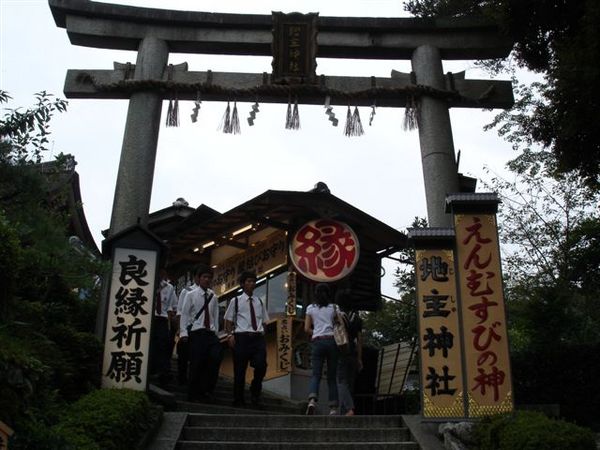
<point>48,353</point>
<point>550,233</point>
<point>396,321</point>
<point>554,120</point>
<point>24,134</point>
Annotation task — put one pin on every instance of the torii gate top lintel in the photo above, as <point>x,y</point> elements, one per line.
<point>122,27</point>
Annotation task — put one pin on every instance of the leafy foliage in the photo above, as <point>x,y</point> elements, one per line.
<point>10,259</point>
<point>22,377</point>
<point>565,375</point>
<point>559,39</point>
<point>394,322</point>
<point>24,135</point>
<point>531,431</point>
<point>550,231</point>
<point>48,354</point>
<point>397,320</point>
<point>111,419</point>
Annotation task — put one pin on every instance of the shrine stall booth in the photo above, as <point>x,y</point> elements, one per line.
<point>292,241</point>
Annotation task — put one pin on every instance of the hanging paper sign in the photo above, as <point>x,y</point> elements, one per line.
<point>324,250</point>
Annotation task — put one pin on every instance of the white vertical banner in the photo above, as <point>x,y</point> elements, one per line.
<point>129,318</point>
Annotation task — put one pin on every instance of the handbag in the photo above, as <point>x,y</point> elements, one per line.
<point>340,332</point>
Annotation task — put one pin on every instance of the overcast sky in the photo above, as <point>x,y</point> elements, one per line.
<point>379,172</point>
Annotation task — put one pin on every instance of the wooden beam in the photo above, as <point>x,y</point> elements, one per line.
<point>273,223</point>
<point>231,242</point>
<point>246,87</point>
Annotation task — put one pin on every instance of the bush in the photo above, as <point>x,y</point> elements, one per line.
<point>566,375</point>
<point>38,370</point>
<point>80,371</point>
<point>23,378</point>
<point>108,419</point>
<point>527,430</point>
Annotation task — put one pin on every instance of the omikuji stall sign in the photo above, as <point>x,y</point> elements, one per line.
<point>128,320</point>
<point>487,365</point>
<point>438,309</point>
<point>324,250</point>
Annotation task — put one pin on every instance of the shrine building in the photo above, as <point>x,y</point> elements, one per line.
<point>292,240</point>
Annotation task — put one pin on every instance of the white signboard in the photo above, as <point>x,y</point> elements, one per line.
<point>129,317</point>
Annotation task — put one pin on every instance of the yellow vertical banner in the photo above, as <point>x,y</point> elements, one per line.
<point>487,363</point>
<point>439,334</point>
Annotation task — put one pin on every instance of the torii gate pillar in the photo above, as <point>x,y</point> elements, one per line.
<point>440,173</point>
<point>138,154</point>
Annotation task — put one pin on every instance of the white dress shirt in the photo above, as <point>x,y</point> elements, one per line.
<point>168,299</point>
<point>243,321</point>
<point>322,319</point>
<point>185,291</point>
<point>193,302</point>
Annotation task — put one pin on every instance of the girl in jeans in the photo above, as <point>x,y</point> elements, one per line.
<point>319,324</point>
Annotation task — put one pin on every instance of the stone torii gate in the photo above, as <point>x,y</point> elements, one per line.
<point>155,33</point>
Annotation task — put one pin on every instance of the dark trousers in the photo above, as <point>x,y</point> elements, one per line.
<point>160,348</point>
<point>172,335</point>
<point>206,353</point>
<point>249,348</point>
<point>183,359</point>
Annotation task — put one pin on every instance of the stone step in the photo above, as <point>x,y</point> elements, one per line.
<point>224,392</point>
<point>280,424</point>
<point>281,404</point>
<point>312,434</point>
<point>219,410</point>
<point>222,383</point>
<point>295,421</point>
<point>368,445</point>
<point>223,399</point>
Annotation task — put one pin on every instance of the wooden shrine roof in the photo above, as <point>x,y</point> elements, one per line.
<point>279,209</point>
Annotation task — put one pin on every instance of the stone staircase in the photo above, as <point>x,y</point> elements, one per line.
<point>223,398</point>
<point>266,432</point>
<point>279,424</point>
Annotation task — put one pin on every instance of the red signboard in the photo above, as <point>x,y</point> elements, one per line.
<point>324,250</point>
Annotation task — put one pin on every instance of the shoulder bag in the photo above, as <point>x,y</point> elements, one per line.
<point>340,332</point>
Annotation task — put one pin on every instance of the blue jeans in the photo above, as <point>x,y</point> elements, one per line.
<point>324,349</point>
<point>347,369</point>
